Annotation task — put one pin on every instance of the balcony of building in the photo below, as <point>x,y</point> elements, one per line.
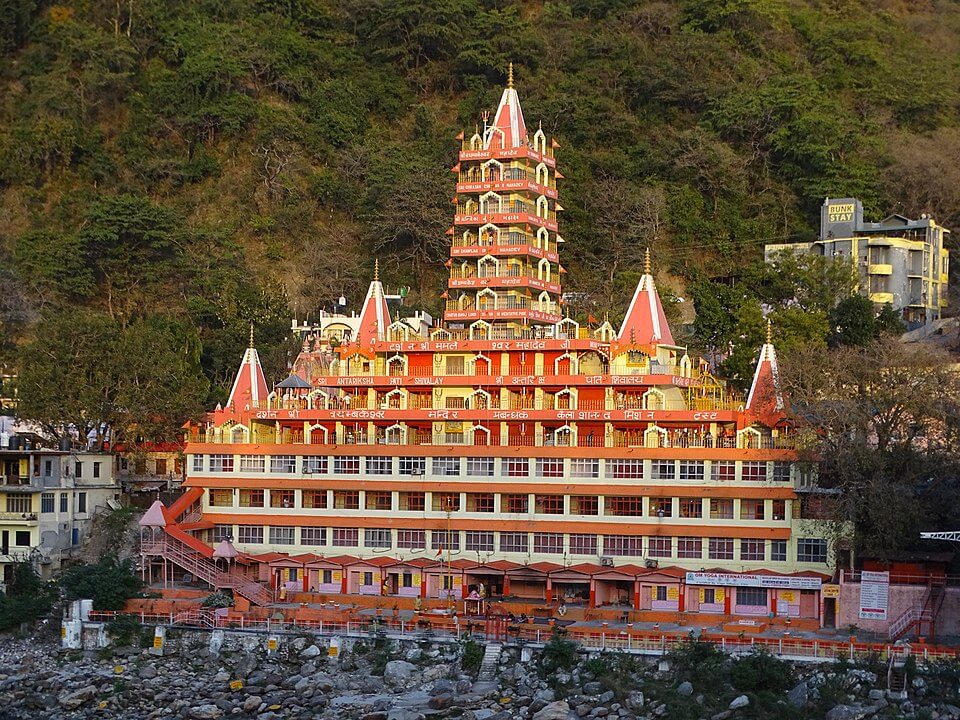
<point>495,174</point>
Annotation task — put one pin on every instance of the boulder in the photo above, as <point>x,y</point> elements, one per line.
<point>73,700</point>
<point>685,688</point>
<point>252,704</point>
<point>206,712</point>
<point>440,702</point>
<point>800,695</point>
<point>591,688</point>
<point>559,710</point>
<point>441,687</point>
<point>398,672</point>
<point>310,652</point>
<point>849,712</point>
<point>741,701</point>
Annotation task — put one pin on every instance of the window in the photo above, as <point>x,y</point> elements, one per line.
<point>346,537</point>
<point>160,465</point>
<point>412,539</point>
<point>377,538</point>
<point>659,547</point>
<point>445,502</point>
<point>283,498</point>
<point>661,507</point>
<point>754,597</point>
<point>22,538</point>
<point>78,469</point>
<point>455,365</point>
<point>691,470</point>
<point>48,467</point>
<point>548,504</point>
<point>513,542</point>
<point>752,510</point>
<point>222,532</point>
<point>811,550</point>
<point>81,502</point>
<point>584,505</point>
<point>583,544</point>
<point>315,499</point>
<point>622,506</point>
<point>514,503</point>
<point>379,465</point>
<point>221,497</point>
<point>413,465</point>
<point>314,465</point>
<point>479,541</point>
<point>754,471</point>
<point>516,467</point>
<point>96,469</point>
<point>412,501</point>
<point>724,470</point>
<point>47,503</point>
<point>346,499</point>
<point>689,547</point>
<point>752,550</point>
<point>778,550</point>
<point>691,508</point>
<point>446,466</point>
<point>64,503</point>
<point>346,465</point>
<point>660,593</point>
<point>584,468</point>
<point>197,463</point>
<point>721,509</point>
<point>625,469</point>
<point>781,472</point>
<point>378,500</point>
<point>548,543</point>
<point>550,467</point>
<point>708,596</point>
<point>720,549</point>
<point>779,509</point>
<point>252,463</point>
<point>480,502</point>
<point>440,541</point>
<point>252,534</point>
<point>663,470</point>
<point>480,466</point>
<point>624,545</point>
<point>313,536</point>
<point>282,535</point>
<point>221,463</point>
<point>251,498</point>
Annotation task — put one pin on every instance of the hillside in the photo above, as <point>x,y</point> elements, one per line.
<point>222,162</point>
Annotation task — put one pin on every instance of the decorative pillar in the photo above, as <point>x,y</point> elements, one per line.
<point>593,593</point>
<point>636,593</point>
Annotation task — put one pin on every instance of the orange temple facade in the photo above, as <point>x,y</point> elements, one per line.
<point>508,451</point>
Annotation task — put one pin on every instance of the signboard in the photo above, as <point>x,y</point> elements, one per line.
<point>831,591</point>
<point>874,595</point>
<point>840,212</point>
<point>763,581</point>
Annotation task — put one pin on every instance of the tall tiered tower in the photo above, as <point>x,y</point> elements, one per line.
<point>504,267</point>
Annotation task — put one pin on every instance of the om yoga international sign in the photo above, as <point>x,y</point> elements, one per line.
<point>762,581</point>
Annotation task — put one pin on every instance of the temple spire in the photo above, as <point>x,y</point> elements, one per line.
<point>250,385</point>
<point>765,399</point>
<point>376,270</point>
<point>510,75</point>
<point>645,322</point>
<point>250,345</point>
<point>646,261</point>
<point>374,315</point>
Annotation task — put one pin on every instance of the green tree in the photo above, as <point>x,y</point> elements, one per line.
<point>109,583</point>
<point>26,598</point>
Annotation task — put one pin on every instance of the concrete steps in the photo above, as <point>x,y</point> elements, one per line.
<point>488,666</point>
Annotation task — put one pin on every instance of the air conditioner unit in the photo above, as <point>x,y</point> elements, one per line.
<point>606,561</point>
<point>416,471</point>
<point>650,563</point>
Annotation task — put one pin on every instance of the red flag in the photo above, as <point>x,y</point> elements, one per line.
<point>455,199</point>
<point>559,175</point>
<point>455,168</point>
<point>554,143</point>
<point>448,263</point>
<point>591,319</point>
<point>460,135</point>
<point>445,295</point>
<point>449,231</point>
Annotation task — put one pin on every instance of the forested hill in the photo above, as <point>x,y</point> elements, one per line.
<point>168,166</point>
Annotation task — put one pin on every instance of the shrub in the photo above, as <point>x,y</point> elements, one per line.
<point>123,629</point>
<point>703,664</point>
<point>109,583</point>
<point>614,671</point>
<point>559,654</point>
<point>760,671</point>
<point>27,597</point>
<point>471,656</point>
<point>218,599</point>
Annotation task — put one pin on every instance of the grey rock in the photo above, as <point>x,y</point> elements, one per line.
<point>252,704</point>
<point>607,697</point>
<point>442,686</point>
<point>741,701</point>
<point>404,714</point>
<point>952,710</point>
<point>599,712</point>
<point>875,694</point>
<point>398,672</point>
<point>559,710</point>
<point>919,683</point>
<point>800,695</point>
<point>592,688</point>
<point>73,700</point>
<point>635,701</point>
<point>310,652</point>
<point>849,712</point>
<point>147,672</point>
<point>685,688</point>
<point>723,715</point>
<point>440,702</point>
<point>205,712</point>
<point>547,695</point>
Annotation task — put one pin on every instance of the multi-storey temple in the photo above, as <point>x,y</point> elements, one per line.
<point>508,451</point>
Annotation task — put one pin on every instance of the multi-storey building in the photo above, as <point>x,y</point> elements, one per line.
<point>899,261</point>
<point>47,502</point>
<point>509,451</point>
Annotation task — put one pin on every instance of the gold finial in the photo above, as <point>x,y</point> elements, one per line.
<point>251,336</point>
<point>510,75</point>
<point>646,261</point>
<point>376,270</point>
<point>769,332</point>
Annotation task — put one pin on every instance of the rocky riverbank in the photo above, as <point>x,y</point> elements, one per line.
<point>378,679</point>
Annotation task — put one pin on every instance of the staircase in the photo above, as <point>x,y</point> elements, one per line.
<point>896,679</point>
<point>488,666</point>
<point>922,617</point>
<point>199,618</point>
<point>182,555</point>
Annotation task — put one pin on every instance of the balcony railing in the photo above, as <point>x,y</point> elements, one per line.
<point>23,516</point>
